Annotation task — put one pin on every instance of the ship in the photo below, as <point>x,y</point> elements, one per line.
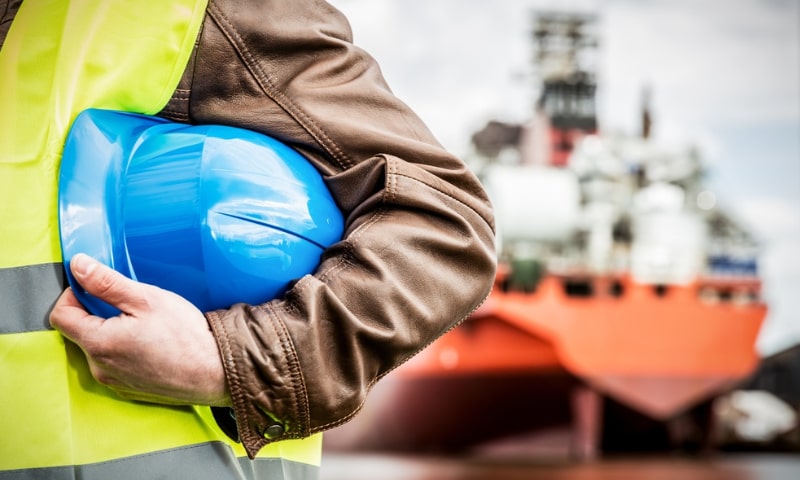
<point>626,299</point>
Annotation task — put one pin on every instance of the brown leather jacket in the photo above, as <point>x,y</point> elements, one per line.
<point>418,252</point>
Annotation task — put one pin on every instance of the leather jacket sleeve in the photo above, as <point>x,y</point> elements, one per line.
<point>418,252</point>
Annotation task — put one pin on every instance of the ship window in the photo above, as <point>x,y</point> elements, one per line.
<point>564,145</point>
<point>725,295</point>
<point>616,289</point>
<point>578,288</point>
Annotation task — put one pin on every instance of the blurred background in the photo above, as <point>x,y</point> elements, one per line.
<point>644,161</point>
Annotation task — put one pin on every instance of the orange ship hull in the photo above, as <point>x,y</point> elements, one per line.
<point>658,351</point>
<point>618,344</point>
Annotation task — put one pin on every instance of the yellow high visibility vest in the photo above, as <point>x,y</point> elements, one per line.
<point>58,59</point>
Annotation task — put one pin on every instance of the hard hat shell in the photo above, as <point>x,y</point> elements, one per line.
<point>216,214</point>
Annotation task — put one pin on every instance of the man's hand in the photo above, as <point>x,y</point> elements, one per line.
<point>160,349</point>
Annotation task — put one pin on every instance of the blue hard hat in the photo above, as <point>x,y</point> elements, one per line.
<point>216,214</point>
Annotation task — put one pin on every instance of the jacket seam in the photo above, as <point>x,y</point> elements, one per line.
<point>391,184</point>
<point>269,88</point>
<point>414,179</point>
<point>298,390</point>
<point>175,113</point>
<point>236,389</point>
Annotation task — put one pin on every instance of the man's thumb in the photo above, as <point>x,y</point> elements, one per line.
<point>106,284</point>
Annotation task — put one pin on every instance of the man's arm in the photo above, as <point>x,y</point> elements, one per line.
<point>418,252</point>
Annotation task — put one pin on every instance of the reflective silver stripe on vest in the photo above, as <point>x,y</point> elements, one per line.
<point>27,295</point>
<point>214,461</point>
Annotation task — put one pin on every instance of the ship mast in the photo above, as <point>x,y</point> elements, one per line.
<point>564,59</point>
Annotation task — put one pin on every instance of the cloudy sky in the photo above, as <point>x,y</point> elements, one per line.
<point>724,76</point>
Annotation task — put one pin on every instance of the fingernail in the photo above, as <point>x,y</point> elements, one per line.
<point>82,264</point>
